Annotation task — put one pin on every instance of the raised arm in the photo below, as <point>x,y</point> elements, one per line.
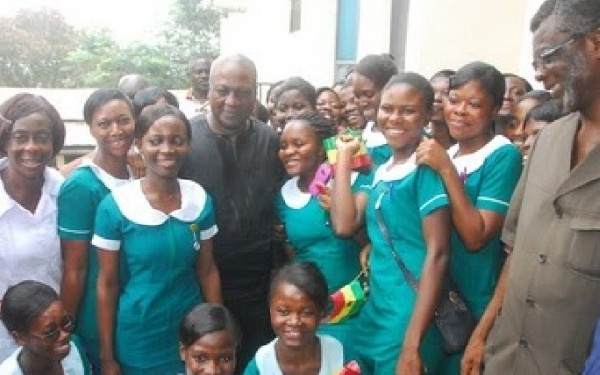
<point>475,226</point>
<point>347,209</point>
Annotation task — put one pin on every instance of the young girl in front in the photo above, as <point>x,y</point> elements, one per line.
<point>208,340</point>
<point>298,297</point>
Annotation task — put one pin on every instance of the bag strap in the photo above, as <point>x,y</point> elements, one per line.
<point>410,278</point>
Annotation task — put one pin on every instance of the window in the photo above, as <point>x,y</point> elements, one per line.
<point>295,15</point>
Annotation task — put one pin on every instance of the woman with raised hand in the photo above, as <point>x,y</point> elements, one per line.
<point>480,173</point>
<point>301,210</point>
<point>394,332</point>
<point>153,238</point>
<point>31,134</point>
<point>109,115</point>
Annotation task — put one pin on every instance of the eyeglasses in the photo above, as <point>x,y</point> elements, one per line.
<point>241,93</point>
<point>67,324</point>
<point>545,58</point>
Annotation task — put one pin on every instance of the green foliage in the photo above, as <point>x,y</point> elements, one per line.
<point>33,45</point>
<point>38,48</point>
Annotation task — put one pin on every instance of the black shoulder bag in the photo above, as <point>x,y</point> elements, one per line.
<point>452,317</point>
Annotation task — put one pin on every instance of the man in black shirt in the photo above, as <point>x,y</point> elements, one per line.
<point>234,157</point>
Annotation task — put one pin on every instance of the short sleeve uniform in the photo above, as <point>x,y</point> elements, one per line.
<point>376,144</point>
<point>158,283</point>
<point>265,360</point>
<point>310,233</point>
<point>29,243</point>
<point>404,195</point>
<point>78,200</point>
<point>489,175</point>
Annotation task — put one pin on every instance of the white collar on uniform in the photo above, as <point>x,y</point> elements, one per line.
<point>396,172</point>
<point>52,182</point>
<point>372,138</point>
<point>107,179</point>
<point>135,207</point>
<point>467,164</point>
<point>297,199</point>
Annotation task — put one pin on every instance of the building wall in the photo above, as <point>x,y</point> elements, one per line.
<point>262,33</point>
<point>448,34</point>
<point>441,34</point>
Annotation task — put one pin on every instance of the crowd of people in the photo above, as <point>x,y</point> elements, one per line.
<point>209,235</point>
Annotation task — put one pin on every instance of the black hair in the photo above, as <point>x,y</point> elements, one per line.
<point>547,112</point>
<point>416,81</point>
<point>207,318</point>
<point>501,123</point>
<point>487,75</point>
<point>99,98</point>
<point>262,113</point>
<point>577,16</point>
<point>24,104</point>
<point>151,95</point>
<point>272,89</point>
<point>150,114</point>
<point>526,83</point>
<point>305,276</point>
<point>322,126</point>
<point>23,303</point>
<point>541,96</point>
<point>542,13</point>
<point>321,90</point>
<point>377,68</point>
<point>305,88</point>
<point>444,73</point>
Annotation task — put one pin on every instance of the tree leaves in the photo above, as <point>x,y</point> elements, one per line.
<point>39,49</point>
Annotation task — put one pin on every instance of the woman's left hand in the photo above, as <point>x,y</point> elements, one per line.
<point>324,196</point>
<point>409,362</point>
<point>431,153</point>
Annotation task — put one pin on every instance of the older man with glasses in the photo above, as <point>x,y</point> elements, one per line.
<point>552,298</point>
<point>234,157</point>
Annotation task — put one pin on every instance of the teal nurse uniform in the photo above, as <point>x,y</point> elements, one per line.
<point>376,144</point>
<point>78,200</point>
<point>312,238</point>
<point>158,283</point>
<point>405,195</point>
<point>490,175</point>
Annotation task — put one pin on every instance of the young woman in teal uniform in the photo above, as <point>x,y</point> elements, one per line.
<point>368,79</point>
<point>480,173</point>
<point>109,114</point>
<point>155,251</point>
<point>306,222</point>
<point>394,331</point>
